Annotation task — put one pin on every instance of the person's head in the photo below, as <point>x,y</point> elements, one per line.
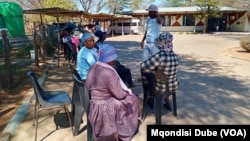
<point>164,41</point>
<point>102,35</point>
<point>95,38</point>
<point>96,23</point>
<point>152,11</point>
<point>88,40</point>
<point>107,54</point>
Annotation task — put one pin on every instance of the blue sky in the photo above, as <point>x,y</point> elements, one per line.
<point>157,2</point>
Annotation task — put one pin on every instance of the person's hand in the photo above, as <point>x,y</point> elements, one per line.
<point>158,17</point>
<point>156,14</point>
<point>142,44</point>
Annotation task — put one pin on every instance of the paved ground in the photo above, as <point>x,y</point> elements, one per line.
<point>214,87</point>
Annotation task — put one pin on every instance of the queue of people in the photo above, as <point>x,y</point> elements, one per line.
<point>111,102</point>
<point>114,108</point>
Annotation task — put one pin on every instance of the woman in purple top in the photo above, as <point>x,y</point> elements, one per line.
<point>114,109</point>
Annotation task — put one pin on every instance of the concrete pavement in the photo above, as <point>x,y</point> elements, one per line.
<point>214,87</point>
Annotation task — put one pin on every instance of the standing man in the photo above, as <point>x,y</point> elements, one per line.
<point>153,28</point>
<point>165,65</point>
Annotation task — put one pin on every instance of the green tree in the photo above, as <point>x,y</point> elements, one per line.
<point>66,4</point>
<point>92,6</point>
<point>117,6</point>
<point>140,4</point>
<point>37,4</point>
<point>174,3</point>
<point>208,9</point>
<point>178,3</point>
<point>241,4</point>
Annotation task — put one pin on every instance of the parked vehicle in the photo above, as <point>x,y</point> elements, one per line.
<point>130,26</point>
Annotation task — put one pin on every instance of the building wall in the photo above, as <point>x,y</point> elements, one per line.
<point>236,22</point>
<point>240,25</point>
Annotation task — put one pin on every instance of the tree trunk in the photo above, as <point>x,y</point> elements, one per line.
<point>205,25</point>
<point>42,43</point>
<point>6,48</point>
<point>35,44</point>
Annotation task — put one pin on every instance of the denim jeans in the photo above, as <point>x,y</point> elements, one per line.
<point>149,50</point>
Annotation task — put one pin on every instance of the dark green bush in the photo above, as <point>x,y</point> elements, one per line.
<point>245,43</point>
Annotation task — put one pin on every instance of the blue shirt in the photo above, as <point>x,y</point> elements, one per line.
<point>85,59</point>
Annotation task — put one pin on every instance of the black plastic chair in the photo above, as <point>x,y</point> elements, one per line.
<point>74,72</point>
<point>80,102</point>
<point>46,100</point>
<point>149,94</point>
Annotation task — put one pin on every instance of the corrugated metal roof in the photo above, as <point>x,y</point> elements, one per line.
<point>56,11</point>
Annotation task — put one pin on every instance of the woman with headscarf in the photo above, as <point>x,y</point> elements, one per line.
<point>102,37</point>
<point>114,109</point>
<point>166,62</point>
<point>86,56</point>
<point>97,26</point>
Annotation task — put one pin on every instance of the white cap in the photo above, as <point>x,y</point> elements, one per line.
<point>152,7</point>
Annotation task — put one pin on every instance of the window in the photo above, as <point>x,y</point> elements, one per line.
<point>188,20</point>
<point>126,24</point>
<point>167,21</point>
<point>133,24</point>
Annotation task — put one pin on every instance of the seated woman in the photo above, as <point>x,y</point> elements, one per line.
<point>102,37</point>
<point>114,109</point>
<point>86,56</point>
<point>167,62</point>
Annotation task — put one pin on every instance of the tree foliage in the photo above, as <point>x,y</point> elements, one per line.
<point>86,4</point>
<point>37,4</point>
<point>100,4</point>
<point>67,4</point>
<point>241,4</point>
<point>208,9</point>
<point>117,6</point>
<point>174,3</point>
<point>140,4</point>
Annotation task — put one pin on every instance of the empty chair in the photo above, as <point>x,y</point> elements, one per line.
<point>46,100</point>
<point>74,95</point>
<point>80,103</point>
<point>74,72</point>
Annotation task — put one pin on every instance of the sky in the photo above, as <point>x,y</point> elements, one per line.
<point>157,2</point>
